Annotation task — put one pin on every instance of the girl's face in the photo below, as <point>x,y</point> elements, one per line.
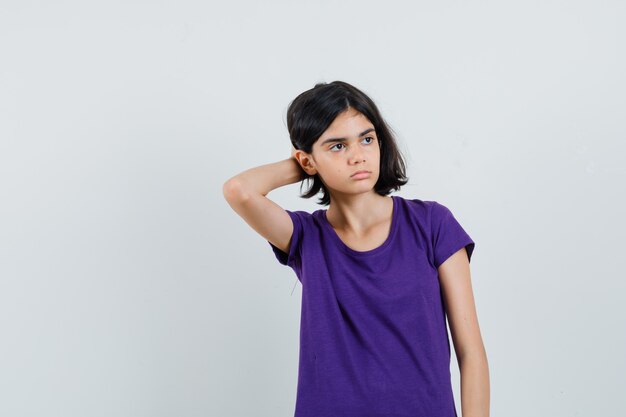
<point>350,144</point>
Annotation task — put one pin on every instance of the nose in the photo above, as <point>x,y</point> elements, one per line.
<point>357,154</point>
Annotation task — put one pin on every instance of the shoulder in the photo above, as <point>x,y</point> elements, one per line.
<point>300,214</point>
<point>430,214</point>
<point>301,219</point>
<point>304,221</point>
<point>423,209</point>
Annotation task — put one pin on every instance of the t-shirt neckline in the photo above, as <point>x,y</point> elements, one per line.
<point>392,231</point>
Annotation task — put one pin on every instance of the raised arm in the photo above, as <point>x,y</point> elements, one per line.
<point>246,194</point>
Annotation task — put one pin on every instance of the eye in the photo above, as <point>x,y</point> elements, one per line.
<point>368,137</point>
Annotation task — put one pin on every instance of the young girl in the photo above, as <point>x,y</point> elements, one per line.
<point>379,273</point>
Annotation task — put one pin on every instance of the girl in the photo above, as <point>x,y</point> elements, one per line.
<point>379,273</point>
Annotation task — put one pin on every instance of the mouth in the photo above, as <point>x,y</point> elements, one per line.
<point>361,173</point>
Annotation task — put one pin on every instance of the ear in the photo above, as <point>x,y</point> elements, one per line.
<point>306,161</point>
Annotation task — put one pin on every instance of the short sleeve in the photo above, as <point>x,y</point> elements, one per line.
<point>292,258</point>
<point>448,236</point>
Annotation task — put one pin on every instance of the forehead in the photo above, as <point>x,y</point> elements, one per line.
<point>349,123</point>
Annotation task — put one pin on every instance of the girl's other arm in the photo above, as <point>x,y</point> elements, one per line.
<point>455,278</point>
<point>246,194</point>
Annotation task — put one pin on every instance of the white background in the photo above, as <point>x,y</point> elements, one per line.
<point>129,287</point>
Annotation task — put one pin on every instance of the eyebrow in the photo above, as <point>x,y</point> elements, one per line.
<point>344,139</point>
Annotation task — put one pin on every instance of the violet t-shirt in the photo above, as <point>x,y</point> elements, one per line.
<point>373,336</point>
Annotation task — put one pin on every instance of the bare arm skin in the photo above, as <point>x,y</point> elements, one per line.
<point>246,194</point>
<point>455,280</point>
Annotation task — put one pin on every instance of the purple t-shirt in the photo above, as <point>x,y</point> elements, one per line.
<point>373,336</point>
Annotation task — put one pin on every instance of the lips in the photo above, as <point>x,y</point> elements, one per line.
<point>360,172</point>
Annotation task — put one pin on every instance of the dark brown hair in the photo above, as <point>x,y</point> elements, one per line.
<point>313,111</point>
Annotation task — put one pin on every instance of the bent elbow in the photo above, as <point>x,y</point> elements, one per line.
<point>234,190</point>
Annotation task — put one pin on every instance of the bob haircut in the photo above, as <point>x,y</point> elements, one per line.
<point>313,111</point>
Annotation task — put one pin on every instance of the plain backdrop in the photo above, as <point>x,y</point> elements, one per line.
<point>130,288</point>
